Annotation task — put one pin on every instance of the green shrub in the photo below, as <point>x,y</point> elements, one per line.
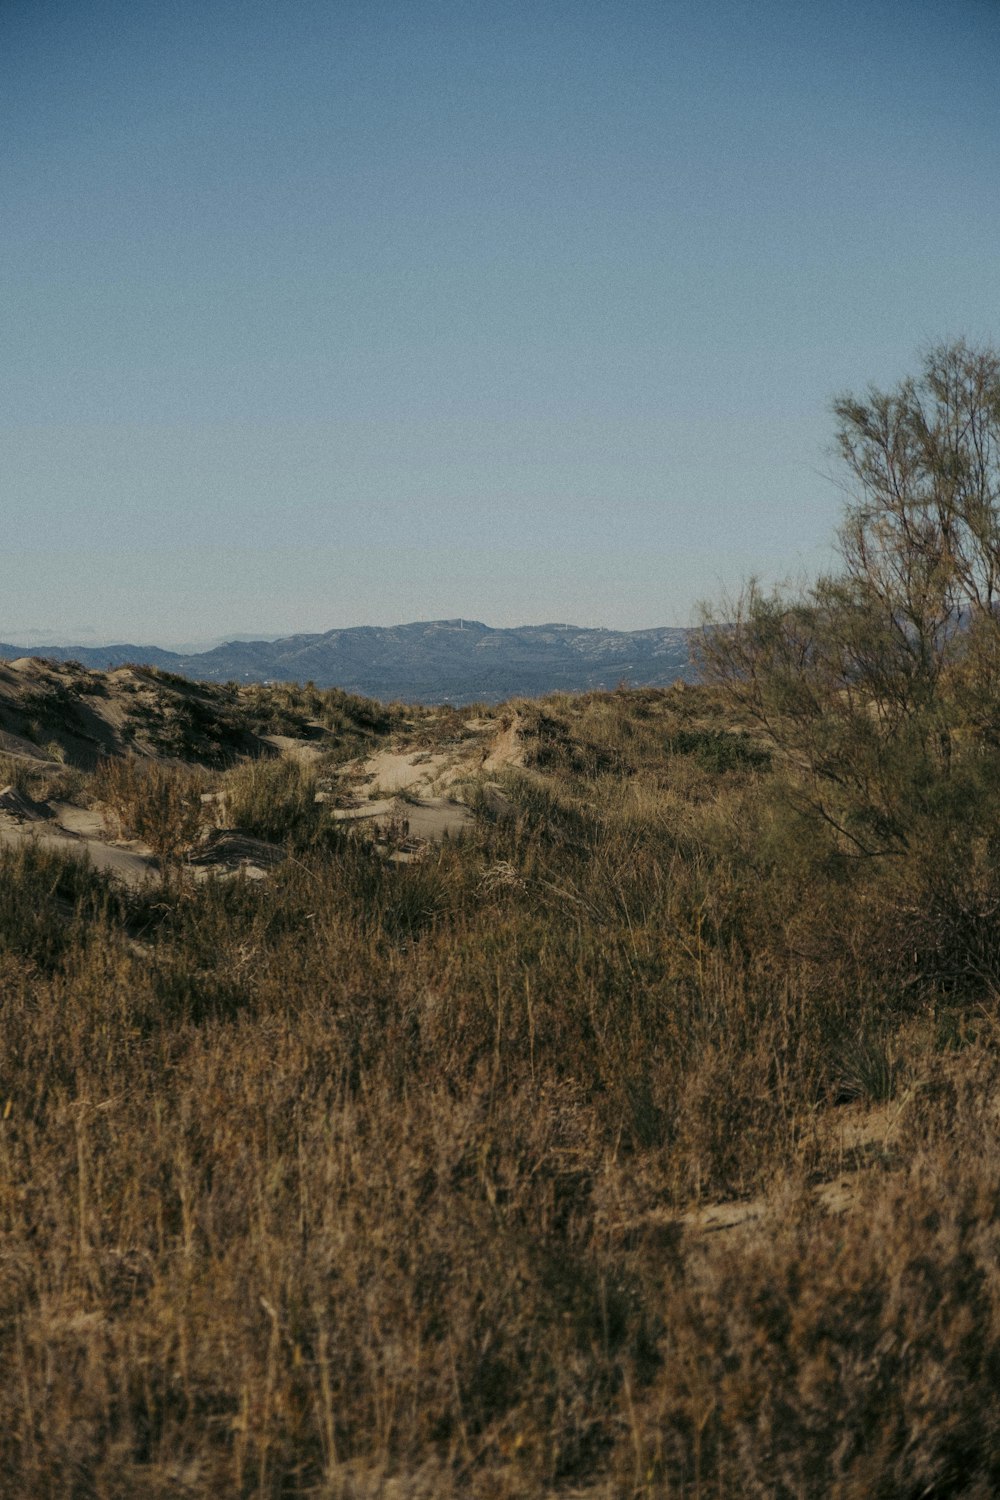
<point>718,751</point>
<point>272,799</point>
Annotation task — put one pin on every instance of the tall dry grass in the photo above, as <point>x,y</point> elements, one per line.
<point>372,1180</point>
<point>152,800</point>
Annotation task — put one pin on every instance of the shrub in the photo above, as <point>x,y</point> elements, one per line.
<point>148,800</point>
<point>272,799</point>
<point>718,750</point>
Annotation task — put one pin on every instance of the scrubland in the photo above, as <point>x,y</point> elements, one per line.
<point>643,1141</point>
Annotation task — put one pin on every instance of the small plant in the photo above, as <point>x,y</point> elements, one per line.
<point>151,801</point>
<point>15,772</point>
<point>273,799</point>
<point>718,750</point>
<point>864,1068</point>
<point>62,783</point>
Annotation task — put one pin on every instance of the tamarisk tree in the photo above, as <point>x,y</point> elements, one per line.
<point>880,681</point>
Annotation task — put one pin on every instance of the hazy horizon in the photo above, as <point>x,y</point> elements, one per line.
<point>330,315</point>
<point>40,638</point>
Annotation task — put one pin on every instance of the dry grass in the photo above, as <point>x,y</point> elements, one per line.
<point>149,800</point>
<point>370,1181</point>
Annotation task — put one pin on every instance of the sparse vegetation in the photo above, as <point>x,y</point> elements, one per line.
<point>151,801</point>
<point>272,799</point>
<point>376,1171</point>
<point>643,1142</point>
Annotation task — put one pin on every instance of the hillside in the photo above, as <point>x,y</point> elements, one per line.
<point>66,711</point>
<point>432,661</point>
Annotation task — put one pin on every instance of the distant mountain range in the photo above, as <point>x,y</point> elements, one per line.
<point>431,661</point>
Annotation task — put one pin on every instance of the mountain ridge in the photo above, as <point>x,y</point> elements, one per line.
<point>421,661</point>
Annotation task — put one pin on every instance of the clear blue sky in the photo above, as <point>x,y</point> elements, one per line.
<point>319,314</point>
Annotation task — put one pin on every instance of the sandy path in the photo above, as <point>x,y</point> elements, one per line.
<point>490,748</point>
<point>428,818</point>
<point>426,815</point>
<point>404,770</point>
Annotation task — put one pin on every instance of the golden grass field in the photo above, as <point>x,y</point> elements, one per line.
<point>619,1138</point>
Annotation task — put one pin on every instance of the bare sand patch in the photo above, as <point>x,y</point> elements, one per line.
<point>403,770</point>
<point>507,747</point>
<point>135,867</point>
<point>426,819</point>
<point>429,773</point>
